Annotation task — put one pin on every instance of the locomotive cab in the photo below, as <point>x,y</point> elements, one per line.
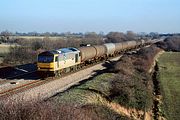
<point>46,61</point>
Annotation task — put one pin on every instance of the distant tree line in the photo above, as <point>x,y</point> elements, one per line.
<point>111,35</point>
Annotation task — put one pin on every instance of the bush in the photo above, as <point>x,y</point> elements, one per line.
<point>132,85</point>
<point>170,44</point>
<point>20,55</point>
<point>130,91</point>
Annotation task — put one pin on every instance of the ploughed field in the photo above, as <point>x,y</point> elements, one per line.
<point>169,77</point>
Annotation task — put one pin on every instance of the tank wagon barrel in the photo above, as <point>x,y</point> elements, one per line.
<point>131,44</point>
<point>110,48</point>
<point>100,50</point>
<point>87,53</point>
<point>118,47</point>
<point>155,40</point>
<point>124,45</point>
<point>92,52</point>
<point>148,42</point>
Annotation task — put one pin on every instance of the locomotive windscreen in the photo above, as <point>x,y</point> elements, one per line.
<point>45,59</point>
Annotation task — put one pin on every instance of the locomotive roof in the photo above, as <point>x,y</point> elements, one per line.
<point>59,51</point>
<point>67,50</point>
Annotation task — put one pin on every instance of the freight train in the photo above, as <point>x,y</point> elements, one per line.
<point>57,62</point>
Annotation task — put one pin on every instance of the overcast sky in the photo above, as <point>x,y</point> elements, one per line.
<point>90,15</point>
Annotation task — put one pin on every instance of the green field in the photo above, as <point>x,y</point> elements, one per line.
<point>169,76</point>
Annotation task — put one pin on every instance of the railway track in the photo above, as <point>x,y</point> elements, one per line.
<point>35,83</point>
<point>15,90</point>
<point>12,82</point>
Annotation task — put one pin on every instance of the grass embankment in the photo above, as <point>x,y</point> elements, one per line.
<point>169,76</point>
<point>92,96</point>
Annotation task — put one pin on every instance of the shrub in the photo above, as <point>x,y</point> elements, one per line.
<point>20,55</point>
<point>170,44</point>
<point>132,85</point>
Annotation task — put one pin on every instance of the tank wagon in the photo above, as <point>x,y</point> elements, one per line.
<point>124,46</point>
<point>100,51</point>
<point>87,53</point>
<point>56,62</point>
<point>131,44</point>
<point>148,42</point>
<point>118,47</point>
<point>110,49</point>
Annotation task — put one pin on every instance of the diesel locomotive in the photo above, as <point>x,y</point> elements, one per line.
<point>57,62</point>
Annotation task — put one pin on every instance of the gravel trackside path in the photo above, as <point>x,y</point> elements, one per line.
<point>61,84</point>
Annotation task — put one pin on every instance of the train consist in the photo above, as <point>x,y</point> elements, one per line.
<point>57,62</point>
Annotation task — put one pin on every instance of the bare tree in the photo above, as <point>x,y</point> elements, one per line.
<point>116,37</point>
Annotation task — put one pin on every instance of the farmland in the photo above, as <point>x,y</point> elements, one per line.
<point>169,74</point>
<point>36,37</point>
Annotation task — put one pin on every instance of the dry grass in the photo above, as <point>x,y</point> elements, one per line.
<point>13,110</point>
